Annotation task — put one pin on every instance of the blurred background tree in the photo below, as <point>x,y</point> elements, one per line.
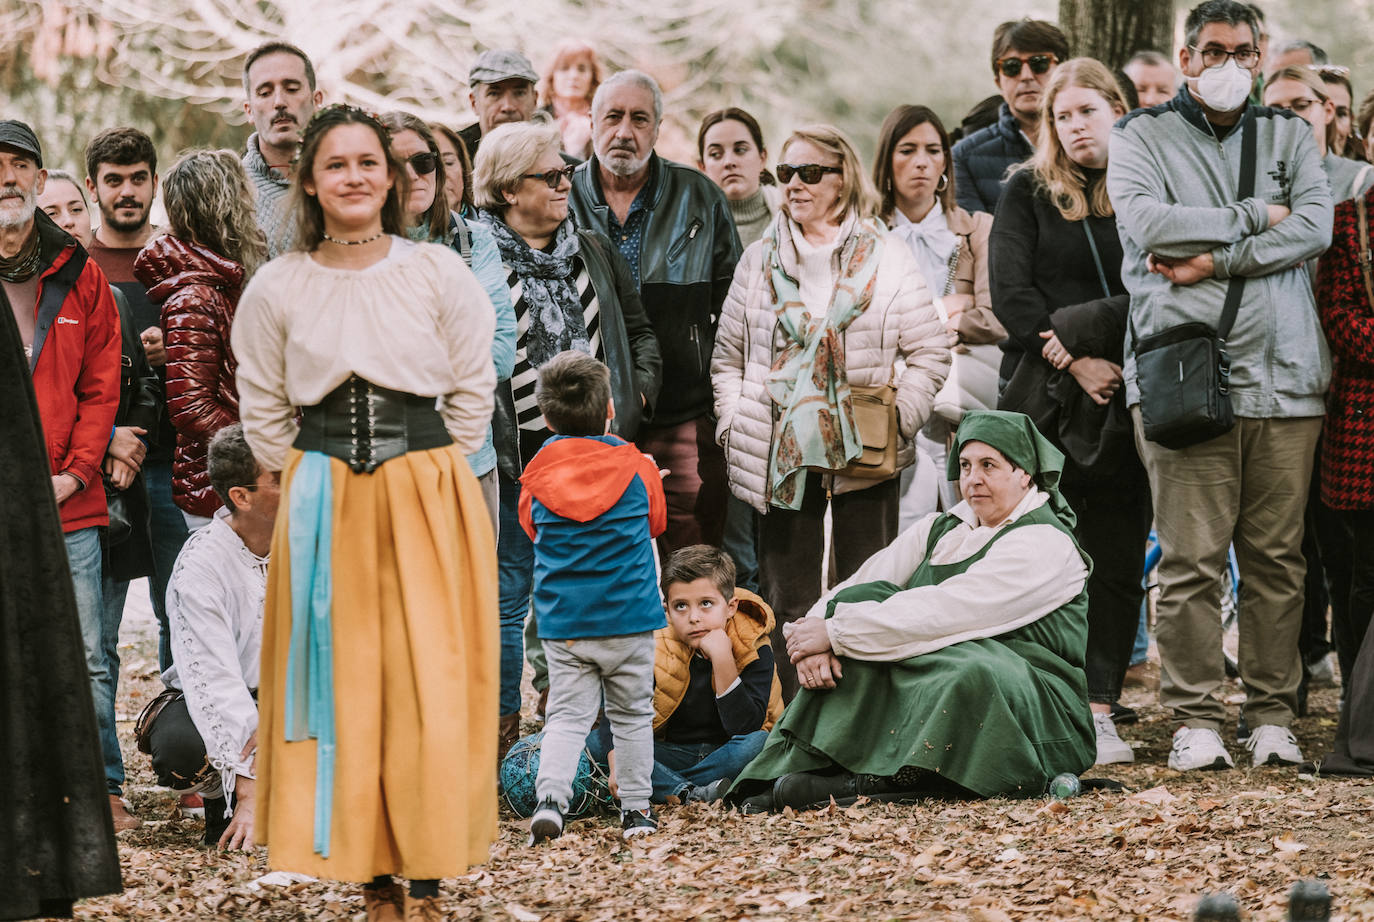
<point>172,67</point>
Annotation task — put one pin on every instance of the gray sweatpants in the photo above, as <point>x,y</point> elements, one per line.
<point>578,672</point>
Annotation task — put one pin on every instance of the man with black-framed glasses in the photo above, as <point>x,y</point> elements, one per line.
<point>1198,245</point>
<point>1024,54</point>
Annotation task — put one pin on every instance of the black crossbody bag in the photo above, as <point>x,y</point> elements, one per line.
<point>1184,372</point>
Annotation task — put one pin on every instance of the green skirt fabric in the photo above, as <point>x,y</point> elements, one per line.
<point>998,716</point>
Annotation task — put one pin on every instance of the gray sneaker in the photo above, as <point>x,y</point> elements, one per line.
<point>1111,748</point>
<point>1198,748</point>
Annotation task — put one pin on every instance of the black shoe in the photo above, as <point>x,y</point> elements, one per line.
<point>635,823</point>
<point>215,820</point>
<point>707,794</point>
<point>1122,715</point>
<point>807,790</point>
<point>547,822</point>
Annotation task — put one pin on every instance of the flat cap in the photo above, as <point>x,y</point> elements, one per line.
<point>501,64</point>
<point>14,133</point>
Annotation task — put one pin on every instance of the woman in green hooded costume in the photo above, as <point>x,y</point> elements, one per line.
<point>952,661</point>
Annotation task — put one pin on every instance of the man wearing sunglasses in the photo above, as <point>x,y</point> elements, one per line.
<point>1190,243</point>
<point>673,226</point>
<point>1024,54</point>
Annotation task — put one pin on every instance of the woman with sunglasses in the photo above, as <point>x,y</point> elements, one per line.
<point>1055,265</point>
<point>572,290</point>
<point>914,174</point>
<point>377,734</point>
<point>429,218</point>
<point>1300,90</point>
<point>826,301</point>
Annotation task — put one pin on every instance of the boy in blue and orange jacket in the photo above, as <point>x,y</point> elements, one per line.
<point>592,504</point>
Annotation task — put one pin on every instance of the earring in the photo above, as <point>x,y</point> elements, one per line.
<point>943,184</point>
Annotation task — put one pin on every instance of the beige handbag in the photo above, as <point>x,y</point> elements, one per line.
<point>875,416</point>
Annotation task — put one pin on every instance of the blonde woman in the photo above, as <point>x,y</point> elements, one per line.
<point>824,301</point>
<point>1302,91</point>
<point>1056,286</point>
<point>195,272</point>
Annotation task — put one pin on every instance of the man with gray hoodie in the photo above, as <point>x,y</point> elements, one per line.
<point>1173,177</point>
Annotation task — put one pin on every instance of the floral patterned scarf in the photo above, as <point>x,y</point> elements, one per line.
<point>808,382</point>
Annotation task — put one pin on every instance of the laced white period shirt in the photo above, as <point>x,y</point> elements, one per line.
<point>214,608</point>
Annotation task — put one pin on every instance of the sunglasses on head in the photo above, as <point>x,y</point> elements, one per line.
<point>423,163</point>
<point>553,178</point>
<point>810,173</point>
<point>1039,64</point>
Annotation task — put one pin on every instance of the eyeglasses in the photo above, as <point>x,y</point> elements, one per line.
<point>1039,64</point>
<point>1299,105</point>
<point>553,178</point>
<point>423,163</point>
<point>810,173</point>
<point>1214,57</point>
<point>1331,70</point>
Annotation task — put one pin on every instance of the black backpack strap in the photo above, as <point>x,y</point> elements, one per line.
<point>463,237</point>
<point>55,290</point>
<point>1247,188</point>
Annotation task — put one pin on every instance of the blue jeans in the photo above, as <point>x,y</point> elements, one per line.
<point>680,766</point>
<point>85,559</point>
<point>515,569</point>
<point>168,526</point>
<point>741,536</point>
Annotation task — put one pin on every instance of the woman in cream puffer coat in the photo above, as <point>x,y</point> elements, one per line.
<point>896,333</point>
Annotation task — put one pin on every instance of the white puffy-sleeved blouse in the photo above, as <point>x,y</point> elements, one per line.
<point>417,322</point>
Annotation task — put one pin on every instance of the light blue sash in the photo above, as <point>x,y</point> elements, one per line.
<point>310,659</point>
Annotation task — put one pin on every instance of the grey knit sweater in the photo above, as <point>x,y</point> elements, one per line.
<point>274,205</point>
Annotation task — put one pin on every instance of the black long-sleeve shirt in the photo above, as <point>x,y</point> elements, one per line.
<point>704,718</point>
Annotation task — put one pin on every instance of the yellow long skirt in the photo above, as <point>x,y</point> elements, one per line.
<point>416,649</point>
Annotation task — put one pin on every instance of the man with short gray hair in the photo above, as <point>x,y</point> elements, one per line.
<point>673,226</point>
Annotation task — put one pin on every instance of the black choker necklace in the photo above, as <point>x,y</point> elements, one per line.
<point>22,265</point>
<point>355,243</point>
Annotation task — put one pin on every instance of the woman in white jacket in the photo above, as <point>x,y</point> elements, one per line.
<point>822,302</point>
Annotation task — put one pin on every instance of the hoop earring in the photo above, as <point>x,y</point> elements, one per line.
<point>943,184</point>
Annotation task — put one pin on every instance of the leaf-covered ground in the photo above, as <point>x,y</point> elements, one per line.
<point>1147,853</point>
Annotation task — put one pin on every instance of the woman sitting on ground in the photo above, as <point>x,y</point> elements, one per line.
<point>952,661</point>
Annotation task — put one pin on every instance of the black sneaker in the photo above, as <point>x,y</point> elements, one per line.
<point>637,823</point>
<point>547,822</point>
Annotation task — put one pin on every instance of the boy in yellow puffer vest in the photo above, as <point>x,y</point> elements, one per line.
<point>716,691</point>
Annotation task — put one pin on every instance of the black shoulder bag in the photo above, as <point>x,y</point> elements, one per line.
<point>1184,373</point>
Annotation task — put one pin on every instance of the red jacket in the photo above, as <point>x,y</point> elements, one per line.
<point>1347,475</point>
<point>75,369</point>
<point>199,291</point>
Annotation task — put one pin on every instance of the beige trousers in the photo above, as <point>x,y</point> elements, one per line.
<point>1247,488</point>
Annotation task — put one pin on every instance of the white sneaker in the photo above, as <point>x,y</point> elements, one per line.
<point>1110,747</point>
<point>1273,745</point>
<point>1198,748</point>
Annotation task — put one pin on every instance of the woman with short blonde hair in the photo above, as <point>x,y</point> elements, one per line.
<point>572,290</point>
<point>825,302</point>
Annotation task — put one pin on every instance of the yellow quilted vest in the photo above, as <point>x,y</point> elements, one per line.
<point>748,630</point>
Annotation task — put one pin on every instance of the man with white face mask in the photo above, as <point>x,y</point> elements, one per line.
<point>1188,239</point>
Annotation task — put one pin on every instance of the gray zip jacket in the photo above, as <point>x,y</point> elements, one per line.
<point>1173,186</point>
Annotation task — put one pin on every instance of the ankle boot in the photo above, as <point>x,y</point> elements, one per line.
<point>508,735</point>
<point>384,904</point>
<point>424,908</point>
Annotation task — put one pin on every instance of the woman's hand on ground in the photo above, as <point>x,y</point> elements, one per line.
<point>819,671</point>
<point>806,637</point>
<point>1099,378</point>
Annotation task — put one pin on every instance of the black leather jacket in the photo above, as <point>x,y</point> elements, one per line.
<point>688,252</point>
<point>140,404</point>
<point>631,352</point>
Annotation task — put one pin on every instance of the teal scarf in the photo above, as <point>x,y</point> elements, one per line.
<point>310,657</point>
<point>808,383</point>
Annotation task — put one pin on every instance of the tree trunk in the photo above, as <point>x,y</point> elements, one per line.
<point>1113,30</point>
